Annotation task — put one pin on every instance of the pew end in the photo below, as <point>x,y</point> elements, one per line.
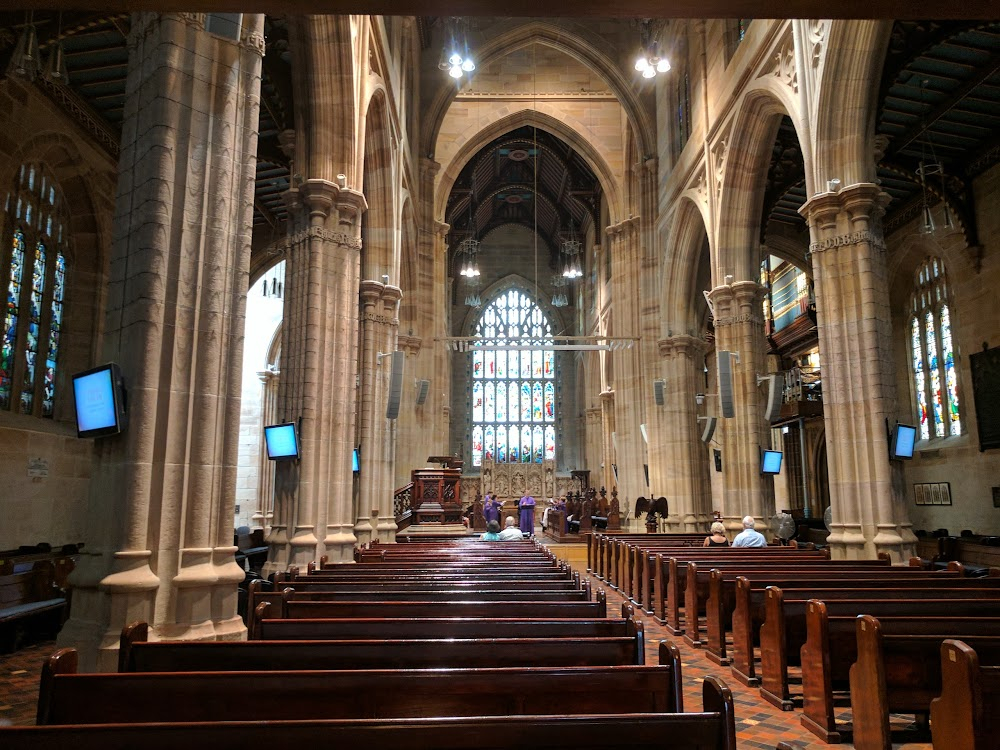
<point>63,661</point>
<point>965,717</point>
<point>134,632</point>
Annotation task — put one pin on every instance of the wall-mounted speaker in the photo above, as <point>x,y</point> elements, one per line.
<point>658,387</point>
<point>725,360</point>
<point>395,385</point>
<point>423,387</point>
<point>775,394</point>
<point>645,437</point>
<point>706,434</point>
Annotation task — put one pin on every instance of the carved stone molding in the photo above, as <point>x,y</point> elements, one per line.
<point>608,396</point>
<point>328,235</point>
<point>845,240</point>
<point>622,228</point>
<point>409,344</point>
<point>682,345</point>
<point>387,320</point>
<point>782,65</point>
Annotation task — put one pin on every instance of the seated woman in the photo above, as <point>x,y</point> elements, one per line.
<point>717,537</point>
<point>492,533</point>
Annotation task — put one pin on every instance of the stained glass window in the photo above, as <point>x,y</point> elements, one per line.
<point>513,391</point>
<point>935,378</point>
<point>33,272</point>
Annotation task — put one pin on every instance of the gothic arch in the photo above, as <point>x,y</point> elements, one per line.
<point>846,103</point>
<point>684,246</point>
<point>745,156</point>
<point>583,46</point>
<point>511,281</point>
<point>378,250</point>
<point>568,129</point>
<point>326,117</point>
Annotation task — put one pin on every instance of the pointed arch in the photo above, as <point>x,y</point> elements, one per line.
<point>685,245</point>
<point>378,222</point>
<point>580,44</point>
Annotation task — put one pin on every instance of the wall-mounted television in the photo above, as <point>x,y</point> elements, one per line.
<point>770,462</point>
<point>355,461</point>
<point>99,399</point>
<point>282,441</point>
<point>901,441</point>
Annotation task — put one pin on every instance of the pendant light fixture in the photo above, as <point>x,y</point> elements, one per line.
<point>25,62</point>
<point>649,60</point>
<point>55,66</point>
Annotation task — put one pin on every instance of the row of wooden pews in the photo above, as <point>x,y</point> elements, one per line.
<point>445,644</point>
<point>814,633</point>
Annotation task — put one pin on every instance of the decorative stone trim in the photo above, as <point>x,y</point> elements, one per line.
<point>409,344</point>
<point>387,320</point>
<point>864,236</point>
<point>682,344</point>
<point>81,112</point>
<point>339,238</point>
<point>732,320</point>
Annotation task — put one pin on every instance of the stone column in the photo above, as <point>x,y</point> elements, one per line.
<point>739,327</point>
<point>160,524</point>
<point>859,385</point>
<point>379,326</point>
<point>607,428</point>
<point>313,506</point>
<point>265,467</point>
<point>677,452</point>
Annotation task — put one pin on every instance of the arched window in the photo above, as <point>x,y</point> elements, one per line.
<point>935,380</point>
<point>33,272</point>
<point>513,383</point>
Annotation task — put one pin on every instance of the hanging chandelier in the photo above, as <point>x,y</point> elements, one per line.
<point>929,167</point>
<point>455,57</point>
<point>25,62</point>
<point>649,61</point>
<point>571,248</point>
<point>559,298</point>
<point>472,298</point>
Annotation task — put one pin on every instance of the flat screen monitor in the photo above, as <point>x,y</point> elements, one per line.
<point>770,462</point>
<point>355,463</point>
<point>903,438</point>
<point>282,442</point>
<point>99,399</point>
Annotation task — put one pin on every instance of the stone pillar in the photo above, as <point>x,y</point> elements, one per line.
<point>739,327</point>
<point>607,428</point>
<point>313,505</point>
<point>265,467</point>
<point>677,453</point>
<point>859,381</point>
<point>379,326</point>
<point>160,524</point>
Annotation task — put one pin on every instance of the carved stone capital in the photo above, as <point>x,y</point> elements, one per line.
<point>370,291</point>
<point>623,228</point>
<point>409,344</point>
<point>682,345</point>
<point>441,229</point>
<point>608,396</point>
<point>391,295</point>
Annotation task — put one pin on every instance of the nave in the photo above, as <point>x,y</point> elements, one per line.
<point>758,724</point>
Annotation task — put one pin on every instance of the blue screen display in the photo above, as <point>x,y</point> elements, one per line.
<point>354,461</point>
<point>905,436</point>
<point>770,462</point>
<point>282,441</point>
<point>94,396</point>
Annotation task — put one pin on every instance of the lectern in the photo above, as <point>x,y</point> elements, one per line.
<point>437,493</point>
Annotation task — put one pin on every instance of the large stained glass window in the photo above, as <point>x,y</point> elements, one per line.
<point>33,273</point>
<point>935,380</point>
<point>513,383</point>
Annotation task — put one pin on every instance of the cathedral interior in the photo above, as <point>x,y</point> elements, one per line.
<point>643,249</point>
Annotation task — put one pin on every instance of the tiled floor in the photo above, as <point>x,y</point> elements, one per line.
<point>759,725</point>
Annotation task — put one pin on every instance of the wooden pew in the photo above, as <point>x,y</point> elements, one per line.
<point>66,697</point>
<point>831,646</point>
<point>670,577</point>
<point>967,714</point>
<point>30,600</point>
<point>277,629</point>
<point>785,630</point>
<point>739,608</point>
<point>901,673</point>
<point>712,729</point>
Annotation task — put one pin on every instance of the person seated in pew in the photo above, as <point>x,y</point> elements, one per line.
<point>492,533</point>
<point>749,537</point>
<point>511,533</point>
<point>718,536</point>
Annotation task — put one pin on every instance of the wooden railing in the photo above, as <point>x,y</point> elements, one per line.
<point>401,505</point>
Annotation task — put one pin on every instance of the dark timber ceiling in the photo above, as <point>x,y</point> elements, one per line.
<point>524,178</point>
<point>939,101</point>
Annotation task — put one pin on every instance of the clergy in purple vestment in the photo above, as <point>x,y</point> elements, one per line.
<point>491,508</point>
<point>527,507</point>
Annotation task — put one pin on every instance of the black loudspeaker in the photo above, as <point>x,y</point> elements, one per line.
<point>658,386</point>
<point>725,360</point>
<point>775,392</point>
<point>395,385</point>
<point>706,434</point>
<point>423,386</point>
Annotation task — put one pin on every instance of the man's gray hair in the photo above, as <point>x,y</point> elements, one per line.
<point>747,522</point>
<point>509,522</point>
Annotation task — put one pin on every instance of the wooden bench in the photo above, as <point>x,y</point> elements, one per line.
<point>607,549</point>
<point>739,608</point>
<point>967,714</point>
<point>785,631</point>
<point>712,729</point>
<point>30,601</point>
<point>901,673</point>
<point>66,697</point>
<point>831,645</point>
<point>271,629</point>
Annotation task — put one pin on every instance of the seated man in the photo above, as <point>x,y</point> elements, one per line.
<point>749,537</point>
<point>511,533</point>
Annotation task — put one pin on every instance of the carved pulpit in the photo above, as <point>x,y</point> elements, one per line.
<point>437,493</point>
